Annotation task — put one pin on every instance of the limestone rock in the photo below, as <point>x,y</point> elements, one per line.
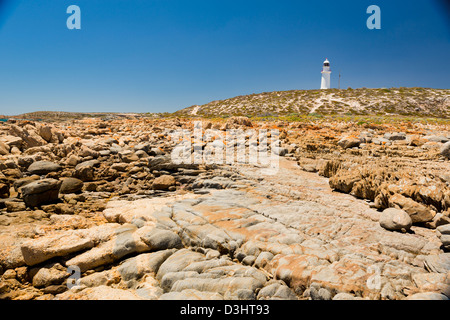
<point>146,263</point>
<point>418,212</point>
<point>349,142</point>
<point>163,182</point>
<point>42,249</point>
<point>158,239</point>
<point>45,132</point>
<point>395,219</point>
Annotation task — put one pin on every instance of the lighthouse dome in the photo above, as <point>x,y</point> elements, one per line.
<point>326,63</point>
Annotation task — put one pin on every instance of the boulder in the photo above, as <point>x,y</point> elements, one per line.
<point>395,136</point>
<point>128,156</point>
<point>40,192</point>
<point>85,170</point>
<point>349,142</point>
<point>163,182</point>
<point>43,167</point>
<point>395,219</point>
<point>45,132</point>
<point>418,212</point>
<point>71,185</point>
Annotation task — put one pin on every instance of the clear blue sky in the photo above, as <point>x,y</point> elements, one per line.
<point>164,55</point>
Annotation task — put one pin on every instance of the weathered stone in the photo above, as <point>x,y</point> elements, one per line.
<point>15,206</point>
<point>39,250</point>
<point>45,132</point>
<point>99,293</point>
<point>85,170</point>
<point>191,294</point>
<point>146,263</point>
<point>126,241</point>
<point>438,263</point>
<point>4,148</point>
<point>349,142</point>
<point>163,182</point>
<point>71,185</point>
<point>4,190</point>
<point>40,192</point>
<point>158,239</point>
<point>276,290</point>
<point>50,275</point>
<point>443,230</point>
<point>427,296</point>
<point>418,212</point>
<point>30,138</point>
<point>43,167</point>
<point>445,150</point>
<point>395,219</point>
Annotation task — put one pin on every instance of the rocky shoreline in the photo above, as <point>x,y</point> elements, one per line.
<point>353,212</point>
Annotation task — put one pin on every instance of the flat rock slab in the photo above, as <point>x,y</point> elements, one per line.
<point>42,249</point>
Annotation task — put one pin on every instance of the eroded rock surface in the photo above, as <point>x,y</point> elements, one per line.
<point>342,218</point>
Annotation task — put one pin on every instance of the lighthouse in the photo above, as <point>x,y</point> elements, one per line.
<point>326,72</point>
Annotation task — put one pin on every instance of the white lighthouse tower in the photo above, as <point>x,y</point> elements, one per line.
<point>326,72</point>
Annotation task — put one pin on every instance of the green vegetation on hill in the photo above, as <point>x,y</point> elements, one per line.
<point>415,102</point>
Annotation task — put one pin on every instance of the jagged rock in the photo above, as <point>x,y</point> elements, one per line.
<point>45,132</point>
<point>30,138</point>
<point>242,121</point>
